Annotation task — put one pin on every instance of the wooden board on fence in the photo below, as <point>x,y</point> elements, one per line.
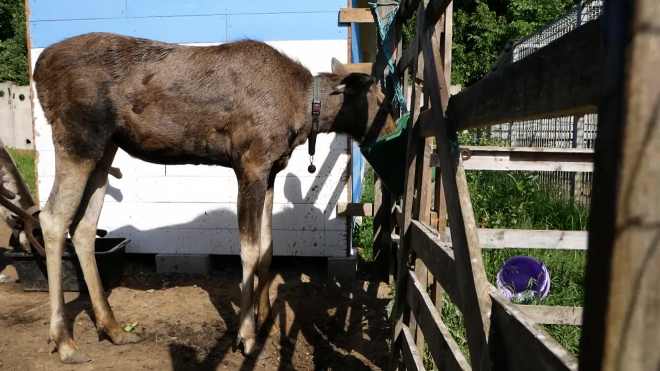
<point>360,67</point>
<point>446,353</point>
<point>621,329</point>
<point>525,159</point>
<point>561,79</point>
<point>411,357</point>
<point>526,239</point>
<point>355,209</point>
<point>517,343</point>
<point>439,258</point>
<point>552,315</point>
<point>356,15</point>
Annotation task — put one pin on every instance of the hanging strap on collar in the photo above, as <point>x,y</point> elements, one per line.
<point>316,112</point>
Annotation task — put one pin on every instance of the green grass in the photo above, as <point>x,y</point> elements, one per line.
<point>25,162</point>
<point>516,201</point>
<point>363,234</point>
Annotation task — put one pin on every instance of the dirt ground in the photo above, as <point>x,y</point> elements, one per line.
<point>190,323</point>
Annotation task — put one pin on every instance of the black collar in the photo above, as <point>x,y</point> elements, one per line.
<point>316,112</point>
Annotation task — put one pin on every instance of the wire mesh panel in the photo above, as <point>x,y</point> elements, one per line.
<point>560,132</point>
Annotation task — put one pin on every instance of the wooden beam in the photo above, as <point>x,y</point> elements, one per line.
<point>552,315</point>
<point>524,159</point>
<point>355,209</point>
<point>471,275</point>
<point>446,353</point>
<point>517,343</point>
<point>360,67</point>
<point>439,258</point>
<point>400,312</point>
<point>356,15</point>
<point>621,328</point>
<point>561,79</point>
<point>411,356</point>
<point>406,9</point>
<point>526,239</point>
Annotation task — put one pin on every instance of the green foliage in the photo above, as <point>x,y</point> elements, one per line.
<point>25,162</point>
<point>13,42</point>
<point>363,234</point>
<point>483,27</point>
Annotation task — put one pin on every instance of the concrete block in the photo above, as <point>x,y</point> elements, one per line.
<point>180,263</point>
<point>342,268</point>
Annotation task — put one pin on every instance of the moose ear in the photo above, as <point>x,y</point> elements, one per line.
<point>354,83</point>
<point>338,67</point>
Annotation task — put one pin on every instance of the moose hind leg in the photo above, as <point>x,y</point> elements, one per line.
<point>265,258</point>
<point>83,232</point>
<point>70,179</point>
<point>251,196</point>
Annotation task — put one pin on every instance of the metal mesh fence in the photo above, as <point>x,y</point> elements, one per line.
<point>560,132</point>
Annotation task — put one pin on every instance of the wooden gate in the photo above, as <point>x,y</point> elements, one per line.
<point>611,72</point>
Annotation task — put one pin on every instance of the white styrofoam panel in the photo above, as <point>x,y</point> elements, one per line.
<point>303,217</point>
<point>326,162</point>
<point>336,240</point>
<point>288,189</point>
<point>128,165</point>
<point>224,242</point>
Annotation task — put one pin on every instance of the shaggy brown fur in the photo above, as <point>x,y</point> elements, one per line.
<point>242,105</point>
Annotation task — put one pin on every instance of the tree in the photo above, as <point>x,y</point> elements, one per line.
<point>483,27</point>
<point>13,42</point>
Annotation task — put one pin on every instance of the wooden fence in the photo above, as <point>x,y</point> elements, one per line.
<point>622,243</point>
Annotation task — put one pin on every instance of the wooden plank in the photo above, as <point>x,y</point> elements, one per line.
<point>404,221</point>
<point>381,210</point>
<point>411,356</point>
<point>524,159</point>
<point>439,258</point>
<point>469,261</point>
<point>434,11</point>
<point>360,67</point>
<point>446,353</point>
<point>621,327</point>
<point>355,209</point>
<point>552,315</point>
<point>517,343</point>
<point>543,85</point>
<point>529,239</point>
<point>356,15</point>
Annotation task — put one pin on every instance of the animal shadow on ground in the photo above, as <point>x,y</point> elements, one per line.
<point>316,324</point>
<point>343,325</point>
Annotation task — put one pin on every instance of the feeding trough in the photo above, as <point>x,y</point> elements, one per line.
<point>523,278</point>
<point>387,156</point>
<point>109,254</point>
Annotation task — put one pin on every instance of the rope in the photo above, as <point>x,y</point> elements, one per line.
<point>385,31</point>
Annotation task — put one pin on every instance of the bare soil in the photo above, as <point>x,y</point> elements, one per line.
<point>190,322</point>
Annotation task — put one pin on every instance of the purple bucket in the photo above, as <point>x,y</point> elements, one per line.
<point>522,277</point>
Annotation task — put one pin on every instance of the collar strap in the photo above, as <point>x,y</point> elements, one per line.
<point>316,112</point>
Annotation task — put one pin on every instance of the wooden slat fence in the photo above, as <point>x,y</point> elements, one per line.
<point>447,256</point>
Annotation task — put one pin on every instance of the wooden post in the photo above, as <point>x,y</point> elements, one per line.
<point>443,37</point>
<point>400,310</point>
<point>382,229</point>
<point>621,322</point>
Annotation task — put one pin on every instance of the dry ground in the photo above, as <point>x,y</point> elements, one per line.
<point>190,323</point>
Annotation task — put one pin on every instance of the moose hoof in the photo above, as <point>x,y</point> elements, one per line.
<point>74,357</point>
<point>252,350</point>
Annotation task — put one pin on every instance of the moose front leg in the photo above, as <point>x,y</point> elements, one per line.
<point>251,197</point>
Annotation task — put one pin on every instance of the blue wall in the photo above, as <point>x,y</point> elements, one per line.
<point>180,21</point>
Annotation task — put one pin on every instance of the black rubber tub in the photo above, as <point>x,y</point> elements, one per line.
<point>109,253</point>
